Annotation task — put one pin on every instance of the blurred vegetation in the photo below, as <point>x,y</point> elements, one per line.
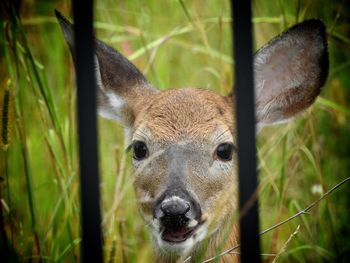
<point>176,44</point>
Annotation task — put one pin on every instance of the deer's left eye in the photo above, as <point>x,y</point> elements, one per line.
<point>224,152</point>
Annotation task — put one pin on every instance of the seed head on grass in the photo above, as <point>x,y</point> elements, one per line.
<point>6,115</point>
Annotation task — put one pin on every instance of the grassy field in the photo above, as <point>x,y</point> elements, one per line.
<point>176,44</point>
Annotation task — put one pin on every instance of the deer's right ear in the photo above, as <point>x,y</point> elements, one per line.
<point>122,88</point>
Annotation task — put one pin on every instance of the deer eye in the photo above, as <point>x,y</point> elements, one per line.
<point>140,150</point>
<point>224,152</point>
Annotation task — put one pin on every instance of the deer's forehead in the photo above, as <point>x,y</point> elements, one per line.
<point>182,105</point>
<point>188,112</point>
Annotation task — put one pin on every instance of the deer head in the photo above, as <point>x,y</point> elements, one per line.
<point>183,140</point>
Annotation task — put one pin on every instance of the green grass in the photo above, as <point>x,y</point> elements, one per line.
<point>176,44</point>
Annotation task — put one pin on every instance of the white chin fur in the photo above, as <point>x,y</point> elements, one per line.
<point>183,248</point>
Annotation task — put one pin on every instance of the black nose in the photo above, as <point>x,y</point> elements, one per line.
<point>173,213</point>
<point>175,207</point>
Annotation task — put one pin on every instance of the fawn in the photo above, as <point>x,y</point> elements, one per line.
<point>183,140</point>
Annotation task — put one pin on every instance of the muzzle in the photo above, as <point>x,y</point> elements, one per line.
<point>178,214</point>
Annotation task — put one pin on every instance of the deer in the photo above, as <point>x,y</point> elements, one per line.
<point>183,140</point>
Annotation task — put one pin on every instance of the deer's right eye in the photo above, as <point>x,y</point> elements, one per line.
<point>140,150</point>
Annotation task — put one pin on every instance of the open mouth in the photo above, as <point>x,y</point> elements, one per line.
<point>178,235</point>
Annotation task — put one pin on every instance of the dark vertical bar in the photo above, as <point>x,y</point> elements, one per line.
<point>90,194</point>
<point>244,90</point>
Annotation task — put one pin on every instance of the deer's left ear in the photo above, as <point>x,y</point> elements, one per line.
<point>290,71</point>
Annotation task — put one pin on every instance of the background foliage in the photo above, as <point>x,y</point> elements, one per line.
<point>176,44</point>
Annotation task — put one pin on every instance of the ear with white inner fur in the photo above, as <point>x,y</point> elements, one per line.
<point>122,88</point>
<point>289,72</point>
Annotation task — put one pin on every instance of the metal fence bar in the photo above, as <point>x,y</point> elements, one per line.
<point>91,248</point>
<point>244,91</point>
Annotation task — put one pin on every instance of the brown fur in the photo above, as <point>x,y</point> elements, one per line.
<point>172,115</point>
